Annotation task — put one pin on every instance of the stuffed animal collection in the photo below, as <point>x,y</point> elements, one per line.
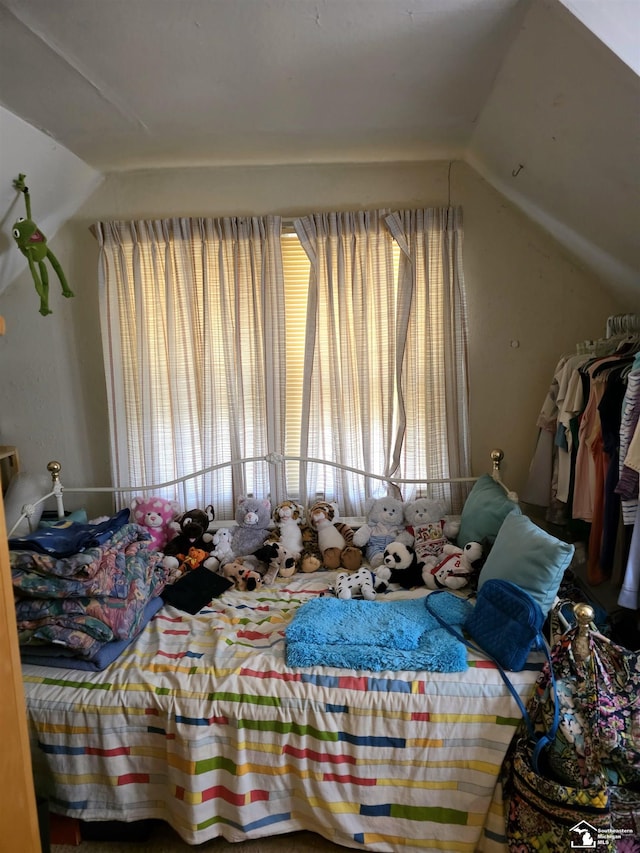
<point>385,524</point>
<point>263,546</point>
<point>158,516</point>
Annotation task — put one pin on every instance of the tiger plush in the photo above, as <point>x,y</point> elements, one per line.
<point>288,517</point>
<point>328,542</point>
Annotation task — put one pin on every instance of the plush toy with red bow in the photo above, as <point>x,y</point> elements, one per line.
<point>455,569</point>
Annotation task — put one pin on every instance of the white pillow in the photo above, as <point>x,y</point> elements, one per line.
<point>25,489</point>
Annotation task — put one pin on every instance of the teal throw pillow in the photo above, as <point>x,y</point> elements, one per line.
<point>528,556</point>
<point>51,520</point>
<point>483,512</point>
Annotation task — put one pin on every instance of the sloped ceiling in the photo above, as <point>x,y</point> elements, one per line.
<point>521,89</point>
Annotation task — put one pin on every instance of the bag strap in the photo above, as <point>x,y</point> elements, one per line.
<point>540,740</point>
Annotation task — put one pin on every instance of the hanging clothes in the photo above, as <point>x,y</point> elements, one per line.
<point>538,489</point>
<point>588,435</point>
<point>628,481</point>
<point>629,593</point>
<point>604,530</point>
<point>588,459</point>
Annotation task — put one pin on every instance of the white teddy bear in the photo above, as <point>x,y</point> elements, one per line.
<point>429,529</point>
<point>385,524</point>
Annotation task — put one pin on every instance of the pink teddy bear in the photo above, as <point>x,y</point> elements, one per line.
<point>158,516</point>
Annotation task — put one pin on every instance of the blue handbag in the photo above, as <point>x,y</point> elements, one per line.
<point>505,624</point>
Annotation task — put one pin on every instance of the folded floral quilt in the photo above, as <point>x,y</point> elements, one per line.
<point>98,571</point>
<point>82,612</point>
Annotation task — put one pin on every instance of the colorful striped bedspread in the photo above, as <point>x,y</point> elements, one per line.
<point>200,723</point>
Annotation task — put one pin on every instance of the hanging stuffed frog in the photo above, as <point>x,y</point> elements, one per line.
<point>33,245</point>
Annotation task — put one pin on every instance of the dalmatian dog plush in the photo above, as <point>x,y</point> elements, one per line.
<point>456,568</point>
<point>356,584</point>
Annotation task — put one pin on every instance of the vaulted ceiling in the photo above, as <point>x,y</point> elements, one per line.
<point>522,90</point>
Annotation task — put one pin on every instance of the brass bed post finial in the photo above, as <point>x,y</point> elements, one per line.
<point>585,615</point>
<point>54,469</point>
<point>497,456</point>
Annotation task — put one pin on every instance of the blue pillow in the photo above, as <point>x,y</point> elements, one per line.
<point>483,512</point>
<point>528,556</point>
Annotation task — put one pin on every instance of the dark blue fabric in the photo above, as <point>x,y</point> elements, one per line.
<point>69,537</point>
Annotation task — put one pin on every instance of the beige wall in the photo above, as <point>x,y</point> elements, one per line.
<point>521,286</point>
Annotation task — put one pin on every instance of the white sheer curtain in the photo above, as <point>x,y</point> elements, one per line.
<point>193,338</point>
<point>386,357</point>
<point>350,411</point>
<point>435,376</point>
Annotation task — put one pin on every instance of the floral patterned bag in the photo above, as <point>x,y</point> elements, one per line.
<point>598,694</point>
<point>588,780</point>
<point>544,816</point>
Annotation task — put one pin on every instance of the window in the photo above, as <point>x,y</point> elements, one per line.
<point>228,338</point>
<point>296,269</point>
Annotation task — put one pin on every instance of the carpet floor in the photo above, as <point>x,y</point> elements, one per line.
<point>164,840</point>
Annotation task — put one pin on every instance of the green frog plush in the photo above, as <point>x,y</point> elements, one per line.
<point>33,245</point>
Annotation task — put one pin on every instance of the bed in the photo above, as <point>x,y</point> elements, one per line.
<point>200,722</point>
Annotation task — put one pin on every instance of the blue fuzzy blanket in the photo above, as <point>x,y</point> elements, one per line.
<point>378,635</point>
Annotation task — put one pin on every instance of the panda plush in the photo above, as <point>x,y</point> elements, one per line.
<point>399,565</point>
